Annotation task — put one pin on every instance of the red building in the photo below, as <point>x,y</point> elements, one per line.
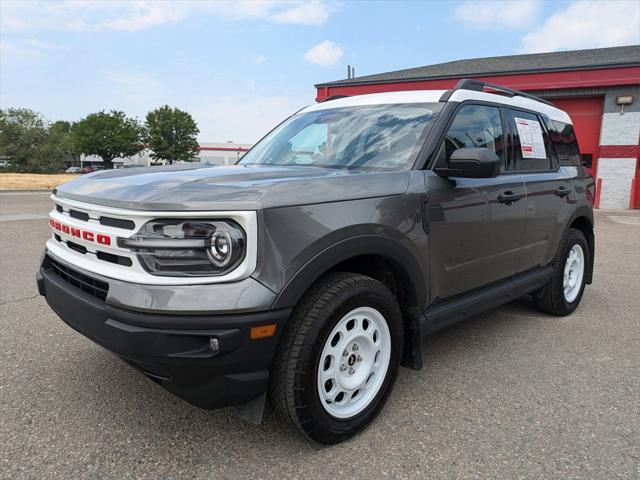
<point>599,89</point>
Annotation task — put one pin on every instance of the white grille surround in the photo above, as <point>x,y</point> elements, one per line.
<point>136,273</point>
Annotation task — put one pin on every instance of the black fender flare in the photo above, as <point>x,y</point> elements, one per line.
<point>390,249</point>
<point>584,211</point>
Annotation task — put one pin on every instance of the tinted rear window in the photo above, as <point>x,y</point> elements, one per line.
<point>564,142</point>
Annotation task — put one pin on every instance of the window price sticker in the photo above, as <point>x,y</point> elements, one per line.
<point>531,141</point>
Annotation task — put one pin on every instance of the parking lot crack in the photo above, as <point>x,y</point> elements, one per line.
<point>19,300</point>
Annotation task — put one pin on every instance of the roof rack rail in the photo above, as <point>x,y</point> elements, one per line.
<point>480,86</point>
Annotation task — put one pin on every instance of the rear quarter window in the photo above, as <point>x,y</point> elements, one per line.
<point>565,143</point>
<point>569,138</point>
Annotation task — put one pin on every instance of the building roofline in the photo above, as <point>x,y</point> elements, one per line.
<point>530,63</point>
<point>355,81</point>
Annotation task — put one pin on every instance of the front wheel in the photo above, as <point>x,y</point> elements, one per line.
<point>339,357</point>
<point>563,293</point>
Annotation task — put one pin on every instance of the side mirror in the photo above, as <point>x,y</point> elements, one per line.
<point>472,163</point>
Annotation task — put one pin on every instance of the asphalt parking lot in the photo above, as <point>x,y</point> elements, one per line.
<point>510,394</point>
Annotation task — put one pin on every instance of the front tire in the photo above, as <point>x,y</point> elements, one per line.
<point>338,358</point>
<point>563,293</point>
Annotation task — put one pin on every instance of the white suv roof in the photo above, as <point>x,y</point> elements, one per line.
<point>433,96</point>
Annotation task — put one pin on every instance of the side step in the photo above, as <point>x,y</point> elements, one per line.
<point>453,311</point>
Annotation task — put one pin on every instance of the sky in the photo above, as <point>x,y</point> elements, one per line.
<point>241,67</point>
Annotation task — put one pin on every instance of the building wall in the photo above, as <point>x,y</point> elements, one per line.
<point>619,150</point>
<point>547,81</point>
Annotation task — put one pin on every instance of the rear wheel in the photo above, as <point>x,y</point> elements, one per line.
<point>338,358</point>
<point>563,293</point>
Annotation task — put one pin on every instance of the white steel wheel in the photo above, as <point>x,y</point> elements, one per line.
<point>354,362</point>
<point>573,273</point>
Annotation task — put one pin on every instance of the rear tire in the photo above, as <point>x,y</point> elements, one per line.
<point>563,292</point>
<point>338,357</point>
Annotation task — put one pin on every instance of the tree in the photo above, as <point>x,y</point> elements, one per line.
<point>171,134</point>
<point>59,147</point>
<point>23,134</point>
<point>109,135</point>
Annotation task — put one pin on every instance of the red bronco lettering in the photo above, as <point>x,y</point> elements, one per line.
<point>87,235</point>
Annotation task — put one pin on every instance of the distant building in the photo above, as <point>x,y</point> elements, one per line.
<point>222,153</point>
<point>141,160</point>
<point>226,153</point>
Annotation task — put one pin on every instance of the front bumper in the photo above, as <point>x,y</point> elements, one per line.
<point>173,350</point>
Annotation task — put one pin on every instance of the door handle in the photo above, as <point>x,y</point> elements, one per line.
<point>509,197</point>
<point>563,191</point>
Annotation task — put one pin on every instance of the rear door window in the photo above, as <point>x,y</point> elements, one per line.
<point>531,150</point>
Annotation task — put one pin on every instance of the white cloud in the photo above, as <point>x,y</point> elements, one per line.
<point>587,24</point>
<point>311,13</point>
<point>496,14</point>
<point>40,45</point>
<point>86,15</point>
<point>325,54</point>
<point>260,59</point>
<point>7,48</point>
<point>33,15</point>
<point>142,15</point>
<point>27,50</point>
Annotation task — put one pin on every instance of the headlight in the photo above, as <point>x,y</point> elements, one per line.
<point>184,248</point>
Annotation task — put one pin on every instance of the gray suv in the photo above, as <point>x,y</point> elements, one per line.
<point>308,272</point>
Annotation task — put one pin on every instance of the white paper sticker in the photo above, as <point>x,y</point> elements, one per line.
<point>531,141</point>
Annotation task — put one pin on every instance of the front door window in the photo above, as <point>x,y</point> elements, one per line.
<point>477,126</point>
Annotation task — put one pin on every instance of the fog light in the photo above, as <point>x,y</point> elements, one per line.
<point>214,344</point>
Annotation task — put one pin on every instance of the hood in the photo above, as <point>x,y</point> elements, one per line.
<point>235,187</point>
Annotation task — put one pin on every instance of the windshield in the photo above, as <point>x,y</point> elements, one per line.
<point>372,136</point>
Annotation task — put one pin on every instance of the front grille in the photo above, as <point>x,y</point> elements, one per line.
<point>108,221</point>
<point>90,285</point>
<point>117,259</point>
<point>104,256</point>
<point>84,216</point>
<point>78,248</point>
<point>118,222</point>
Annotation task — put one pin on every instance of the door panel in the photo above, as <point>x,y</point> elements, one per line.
<point>474,239</point>
<point>549,203</point>
<point>549,191</point>
<point>476,225</point>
